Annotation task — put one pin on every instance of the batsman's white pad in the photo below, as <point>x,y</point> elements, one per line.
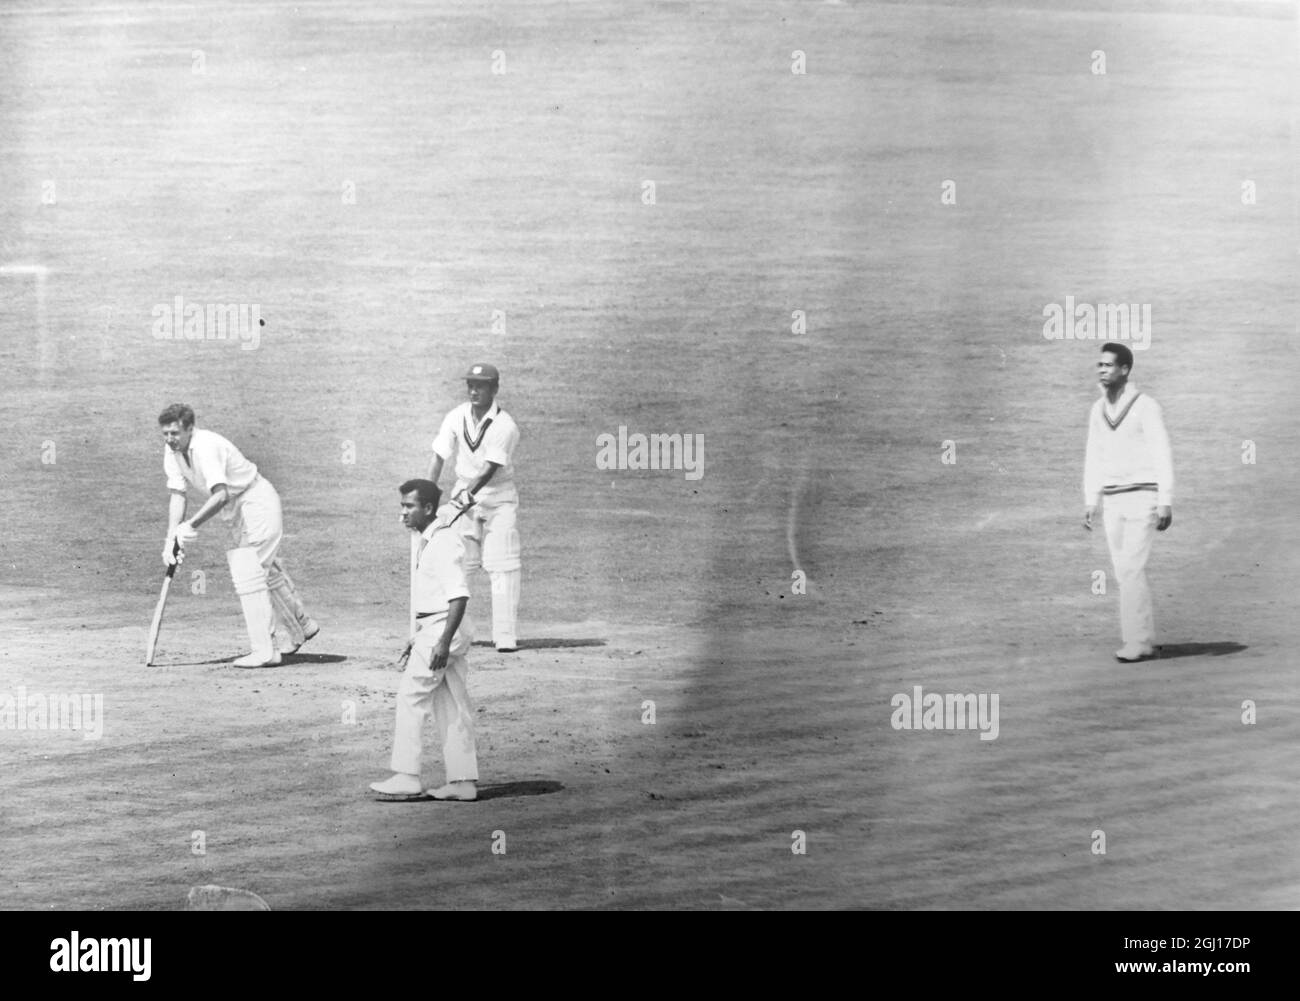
<point>471,533</point>
<point>249,578</point>
<point>505,607</point>
<point>289,612</point>
<point>501,542</point>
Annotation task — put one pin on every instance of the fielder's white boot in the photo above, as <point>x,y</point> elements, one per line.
<point>459,792</point>
<point>401,785</point>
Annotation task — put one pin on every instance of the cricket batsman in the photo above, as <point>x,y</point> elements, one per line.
<point>483,438</point>
<point>194,457</point>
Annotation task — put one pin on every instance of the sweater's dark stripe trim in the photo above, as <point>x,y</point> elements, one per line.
<point>1129,488</point>
<point>1124,413</point>
<point>474,443</point>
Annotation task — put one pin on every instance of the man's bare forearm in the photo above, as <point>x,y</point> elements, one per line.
<point>455,612</point>
<point>175,511</point>
<point>483,480</point>
<point>211,506</point>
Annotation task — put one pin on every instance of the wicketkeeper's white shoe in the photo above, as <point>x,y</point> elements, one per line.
<point>258,660</point>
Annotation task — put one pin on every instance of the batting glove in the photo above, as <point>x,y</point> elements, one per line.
<point>186,533</point>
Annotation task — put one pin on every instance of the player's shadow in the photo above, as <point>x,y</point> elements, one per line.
<point>286,660</point>
<point>312,658</point>
<point>1220,649</point>
<point>507,790</point>
<point>547,643</point>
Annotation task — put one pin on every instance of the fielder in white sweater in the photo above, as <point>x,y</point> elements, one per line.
<point>1129,463</point>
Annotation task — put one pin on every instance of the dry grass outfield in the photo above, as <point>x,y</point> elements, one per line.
<point>370,184</point>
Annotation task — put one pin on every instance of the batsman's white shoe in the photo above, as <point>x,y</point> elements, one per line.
<point>507,646</point>
<point>456,792</point>
<point>257,660</point>
<point>1131,655</point>
<point>400,786</point>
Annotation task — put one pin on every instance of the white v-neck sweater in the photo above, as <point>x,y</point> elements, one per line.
<point>1128,448</point>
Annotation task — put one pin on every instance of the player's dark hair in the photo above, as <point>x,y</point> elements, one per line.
<point>1123,356</point>
<point>181,412</point>
<point>426,490</point>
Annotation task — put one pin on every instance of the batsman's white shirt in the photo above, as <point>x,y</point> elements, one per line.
<point>212,460</point>
<point>476,444</point>
<point>1128,448</point>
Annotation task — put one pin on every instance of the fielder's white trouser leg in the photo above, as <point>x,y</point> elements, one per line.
<point>492,541</point>
<point>249,579</point>
<point>444,693</point>
<point>1130,521</point>
<point>259,523</point>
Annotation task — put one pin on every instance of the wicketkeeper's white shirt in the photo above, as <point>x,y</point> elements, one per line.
<point>1128,447</point>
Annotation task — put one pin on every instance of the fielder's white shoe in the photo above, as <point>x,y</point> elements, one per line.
<point>460,792</point>
<point>400,786</point>
<point>257,660</point>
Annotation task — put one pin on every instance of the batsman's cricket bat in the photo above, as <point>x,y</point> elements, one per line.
<point>156,624</point>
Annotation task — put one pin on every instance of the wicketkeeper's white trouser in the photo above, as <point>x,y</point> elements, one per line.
<point>1130,520</point>
<point>444,692</point>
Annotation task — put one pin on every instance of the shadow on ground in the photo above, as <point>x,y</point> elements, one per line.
<point>547,643</point>
<point>506,790</point>
<point>1220,649</point>
<point>286,660</point>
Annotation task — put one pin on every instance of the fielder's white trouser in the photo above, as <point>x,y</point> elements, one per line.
<point>1130,521</point>
<point>256,522</point>
<point>491,536</point>
<point>422,689</point>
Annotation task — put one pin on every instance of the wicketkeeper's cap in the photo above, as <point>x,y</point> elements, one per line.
<point>482,373</point>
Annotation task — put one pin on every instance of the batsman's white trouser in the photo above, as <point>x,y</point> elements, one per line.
<point>256,522</point>
<point>491,536</point>
<point>1130,521</point>
<point>249,579</point>
<point>444,692</point>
